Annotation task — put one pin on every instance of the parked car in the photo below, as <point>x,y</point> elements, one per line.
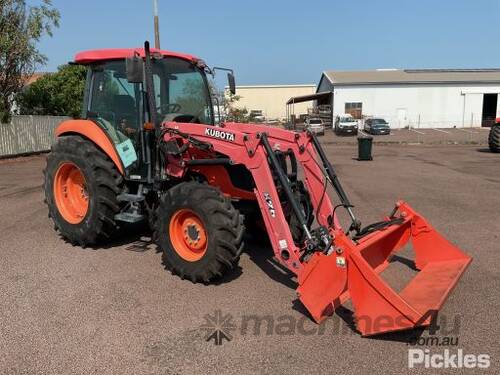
<point>377,126</point>
<point>257,116</point>
<point>316,125</point>
<point>346,124</point>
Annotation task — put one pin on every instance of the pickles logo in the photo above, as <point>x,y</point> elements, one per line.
<point>215,133</point>
<point>447,359</point>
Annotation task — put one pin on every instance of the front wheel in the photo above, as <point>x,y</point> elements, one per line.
<point>199,232</point>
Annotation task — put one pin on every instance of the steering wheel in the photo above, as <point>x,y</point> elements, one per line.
<point>170,108</point>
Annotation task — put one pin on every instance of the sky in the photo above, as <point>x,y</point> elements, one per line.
<point>289,42</point>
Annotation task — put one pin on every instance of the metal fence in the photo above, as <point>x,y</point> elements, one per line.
<point>28,134</point>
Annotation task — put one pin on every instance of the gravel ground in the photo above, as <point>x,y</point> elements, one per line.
<point>116,310</point>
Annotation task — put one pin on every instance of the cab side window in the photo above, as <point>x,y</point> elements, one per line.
<point>116,101</point>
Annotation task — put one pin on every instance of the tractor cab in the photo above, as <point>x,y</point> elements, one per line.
<point>119,104</point>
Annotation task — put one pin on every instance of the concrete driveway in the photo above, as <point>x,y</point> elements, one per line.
<point>116,310</point>
<point>427,136</point>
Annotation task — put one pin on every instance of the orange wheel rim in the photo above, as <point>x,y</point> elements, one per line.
<point>70,193</point>
<point>188,235</point>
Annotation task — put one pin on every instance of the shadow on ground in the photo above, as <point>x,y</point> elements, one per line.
<point>262,255</point>
<point>484,150</point>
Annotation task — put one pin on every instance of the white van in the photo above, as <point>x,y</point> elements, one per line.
<point>346,124</point>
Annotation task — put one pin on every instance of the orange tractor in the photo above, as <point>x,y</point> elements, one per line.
<point>148,148</point>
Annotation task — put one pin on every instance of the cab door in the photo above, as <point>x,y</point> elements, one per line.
<point>116,105</point>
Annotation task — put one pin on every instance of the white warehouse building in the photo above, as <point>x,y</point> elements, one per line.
<point>425,98</point>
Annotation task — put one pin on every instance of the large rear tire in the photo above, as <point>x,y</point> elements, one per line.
<point>81,186</point>
<point>494,138</point>
<point>199,232</point>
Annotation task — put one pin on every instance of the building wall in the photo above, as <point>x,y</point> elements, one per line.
<point>271,100</point>
<point>425,106</point>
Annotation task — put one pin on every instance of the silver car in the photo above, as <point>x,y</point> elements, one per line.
<point>316,125</point>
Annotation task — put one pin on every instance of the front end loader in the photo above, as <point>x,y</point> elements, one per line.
<point>148,149</point>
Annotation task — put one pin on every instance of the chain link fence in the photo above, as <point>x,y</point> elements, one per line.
<point>28,134</point>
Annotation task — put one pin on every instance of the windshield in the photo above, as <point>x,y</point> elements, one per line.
<point>315,122</point>
<point>181,91</point>
<point>347,119</point>
<point>378,121</point>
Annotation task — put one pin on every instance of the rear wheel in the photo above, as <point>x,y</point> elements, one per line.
<point>494,138</point>
<point>199,232</point>
<point>81,185</point>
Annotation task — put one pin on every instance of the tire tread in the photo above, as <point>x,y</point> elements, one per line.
<point>225,221</point>
<point>103,173</point>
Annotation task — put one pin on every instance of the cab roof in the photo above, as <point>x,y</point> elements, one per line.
<point>92,56</point>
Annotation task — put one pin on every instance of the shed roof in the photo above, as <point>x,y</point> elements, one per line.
<point>415,76</point>
<point>28,80</point>
<point>308,98</point>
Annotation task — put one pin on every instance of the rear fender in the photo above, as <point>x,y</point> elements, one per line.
<point>94,133</point>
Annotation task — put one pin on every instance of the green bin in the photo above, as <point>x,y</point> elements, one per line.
<point>365,148</point>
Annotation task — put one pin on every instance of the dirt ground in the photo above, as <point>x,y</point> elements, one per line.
<point>115,310</point>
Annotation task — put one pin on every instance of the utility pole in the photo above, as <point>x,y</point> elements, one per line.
<point>157,24</point>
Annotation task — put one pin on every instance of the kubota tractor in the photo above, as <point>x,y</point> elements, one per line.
<point>148,149</point>
<point>494,137</point>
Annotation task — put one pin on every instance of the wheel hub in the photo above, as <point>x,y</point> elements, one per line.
<point>70,193</point>
<point>188,235</point>
<point>193,233</point>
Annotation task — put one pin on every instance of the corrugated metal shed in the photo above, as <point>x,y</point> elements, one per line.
<point>417,76</point>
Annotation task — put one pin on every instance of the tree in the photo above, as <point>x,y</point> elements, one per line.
<point>21,27</point>
<point>228,105</point>
<point>233,112</point>
<point>56,94</point>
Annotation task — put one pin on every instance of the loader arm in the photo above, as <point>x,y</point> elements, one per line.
<point>243,144</point>
<point>331,264</point>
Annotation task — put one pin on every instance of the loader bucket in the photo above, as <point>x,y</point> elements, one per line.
<point>378,308</point>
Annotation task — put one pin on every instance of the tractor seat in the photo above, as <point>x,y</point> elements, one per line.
<point>124,106</point>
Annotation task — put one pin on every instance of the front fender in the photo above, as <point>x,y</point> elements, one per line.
<point>94,133</point>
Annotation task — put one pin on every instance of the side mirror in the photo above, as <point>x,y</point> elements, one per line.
<point>232,83</point>
<point>135,69</point>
